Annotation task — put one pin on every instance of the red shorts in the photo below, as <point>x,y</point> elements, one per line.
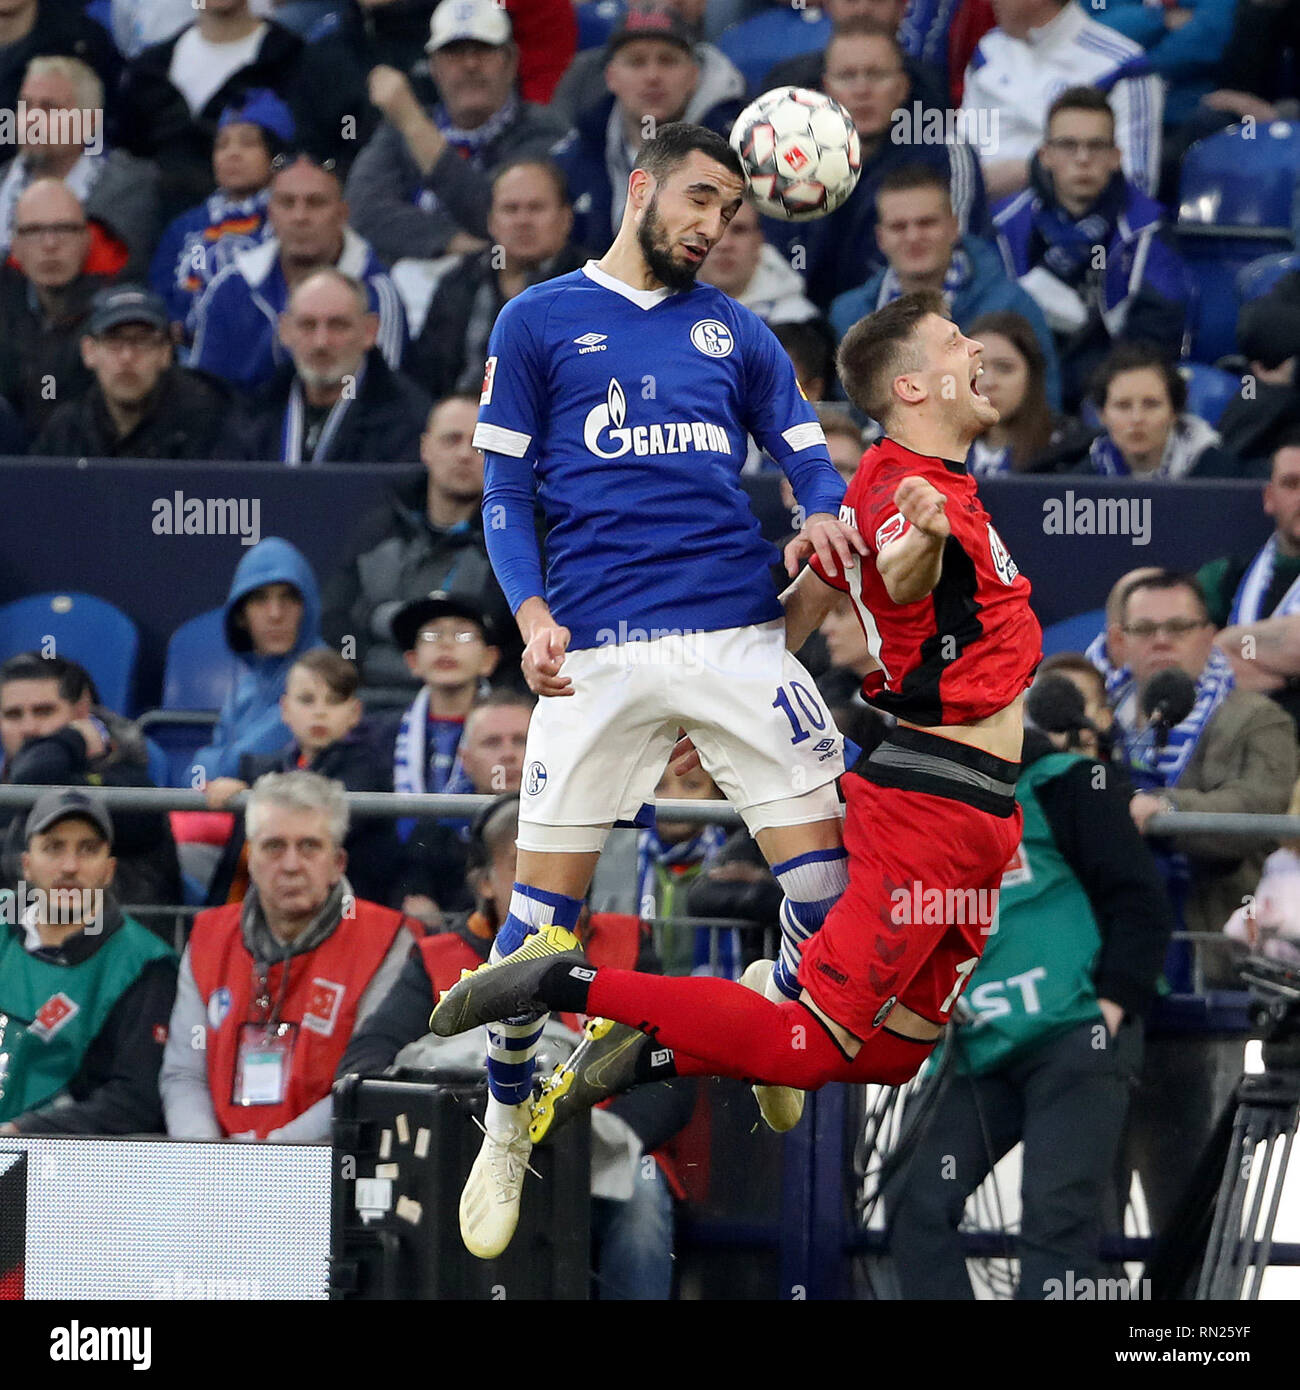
<point>924,871</point>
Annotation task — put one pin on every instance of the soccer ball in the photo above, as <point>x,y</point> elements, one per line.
<point>800,151</point>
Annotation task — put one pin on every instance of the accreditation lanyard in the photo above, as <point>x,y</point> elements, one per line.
<point>264,1059</point>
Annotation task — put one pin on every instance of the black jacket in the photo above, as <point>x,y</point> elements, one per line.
<point>1087,811</point>
<point>155,121</point>
<point>442,359</point>
<point>190,419</point>
<point>654,1113</point>
<point>396,555</point>
<point>383,424</point>
<point>371,842</point>
<point>148,872</point>
<point>115,1090</point>
<point>37,351</point>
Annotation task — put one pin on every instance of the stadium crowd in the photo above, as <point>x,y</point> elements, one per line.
<point>281,232</point>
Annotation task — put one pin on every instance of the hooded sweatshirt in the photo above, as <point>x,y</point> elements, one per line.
<point>250,719</point>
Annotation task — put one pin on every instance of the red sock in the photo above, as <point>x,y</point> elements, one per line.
<point>720,1028</point>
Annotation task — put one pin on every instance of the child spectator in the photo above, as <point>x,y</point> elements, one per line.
<point>272,616</point>
<point>449,644</point>
<point>203,240</point>
<point>321,708</point>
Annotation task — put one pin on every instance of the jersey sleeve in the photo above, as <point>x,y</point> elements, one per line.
<point>511,420</point>
<point>512,405</point>
<point>783,422</point>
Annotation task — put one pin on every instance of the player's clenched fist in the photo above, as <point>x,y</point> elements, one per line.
<point>921,503</point>
<point>543,657</point>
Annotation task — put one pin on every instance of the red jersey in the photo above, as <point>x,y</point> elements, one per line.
<point>971,646</point>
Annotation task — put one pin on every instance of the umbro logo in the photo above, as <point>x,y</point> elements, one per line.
<point>590,342</point>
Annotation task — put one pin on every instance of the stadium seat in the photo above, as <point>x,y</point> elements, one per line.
<point>1208,390</point>
<point>1245,176</point>
<point>1257,278</point>
<point>1216,257</point>
<point>1073,634</point>
<point>83,628</point>
<point>201,670</point>
<point>1237,202</point>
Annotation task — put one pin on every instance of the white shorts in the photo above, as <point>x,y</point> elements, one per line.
<point>762,729</point>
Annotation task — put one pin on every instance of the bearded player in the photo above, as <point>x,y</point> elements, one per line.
<point>622,397</point>
<point>947,620</point>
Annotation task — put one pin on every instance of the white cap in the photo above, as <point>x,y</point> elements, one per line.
<point>481,21</point>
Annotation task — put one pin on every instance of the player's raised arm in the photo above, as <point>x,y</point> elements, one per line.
<point>786,426</point>
<point>911,563</point>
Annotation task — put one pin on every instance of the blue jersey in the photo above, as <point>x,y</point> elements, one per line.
<point>627,411</point>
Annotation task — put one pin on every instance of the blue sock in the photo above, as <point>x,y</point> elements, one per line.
<point>813,883</point>
<point>513,1042</point>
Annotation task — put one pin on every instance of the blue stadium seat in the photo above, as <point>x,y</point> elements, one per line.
<point>1237,202</point>
<point>201,670</point>
<point>1208,390</point>
<point>83,628</point>
<point>1216,257</point>
<point>1073,634</point>
<point>1245,176</point>
<point>1257,278</point>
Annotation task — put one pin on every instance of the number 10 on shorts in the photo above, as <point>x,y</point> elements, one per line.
<point>796,693</point>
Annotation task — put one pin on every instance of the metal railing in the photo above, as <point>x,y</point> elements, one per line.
<point>444,806</point>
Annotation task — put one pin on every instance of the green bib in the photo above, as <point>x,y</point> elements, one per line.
<point>1035,977</point>
<point>50,1014</point>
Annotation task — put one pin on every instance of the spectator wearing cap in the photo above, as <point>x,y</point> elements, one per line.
<point>272,988</point>
<point>489,761</point>
<point>321,709</point>
<point>271,618</point>
<point>427,535</point>
<point>58,264</point>
<point>529,224</point>
<point>237,321</point>
<point>85,990</point>
<point>200,242</point>
<point>1255,422</point>
<point>583,83</point>
<point>422,185</point>
<point>140,404</point>
<point>396,34</point>
<point>450,647</point>
<point>55,732</point>
<point>64,97</point>
<point>336,400</point>
<point>652,77</point>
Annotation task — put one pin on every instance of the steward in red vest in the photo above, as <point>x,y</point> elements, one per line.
<point>271,989</point>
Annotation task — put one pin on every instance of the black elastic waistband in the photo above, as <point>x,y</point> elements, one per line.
<point>912,760</point>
